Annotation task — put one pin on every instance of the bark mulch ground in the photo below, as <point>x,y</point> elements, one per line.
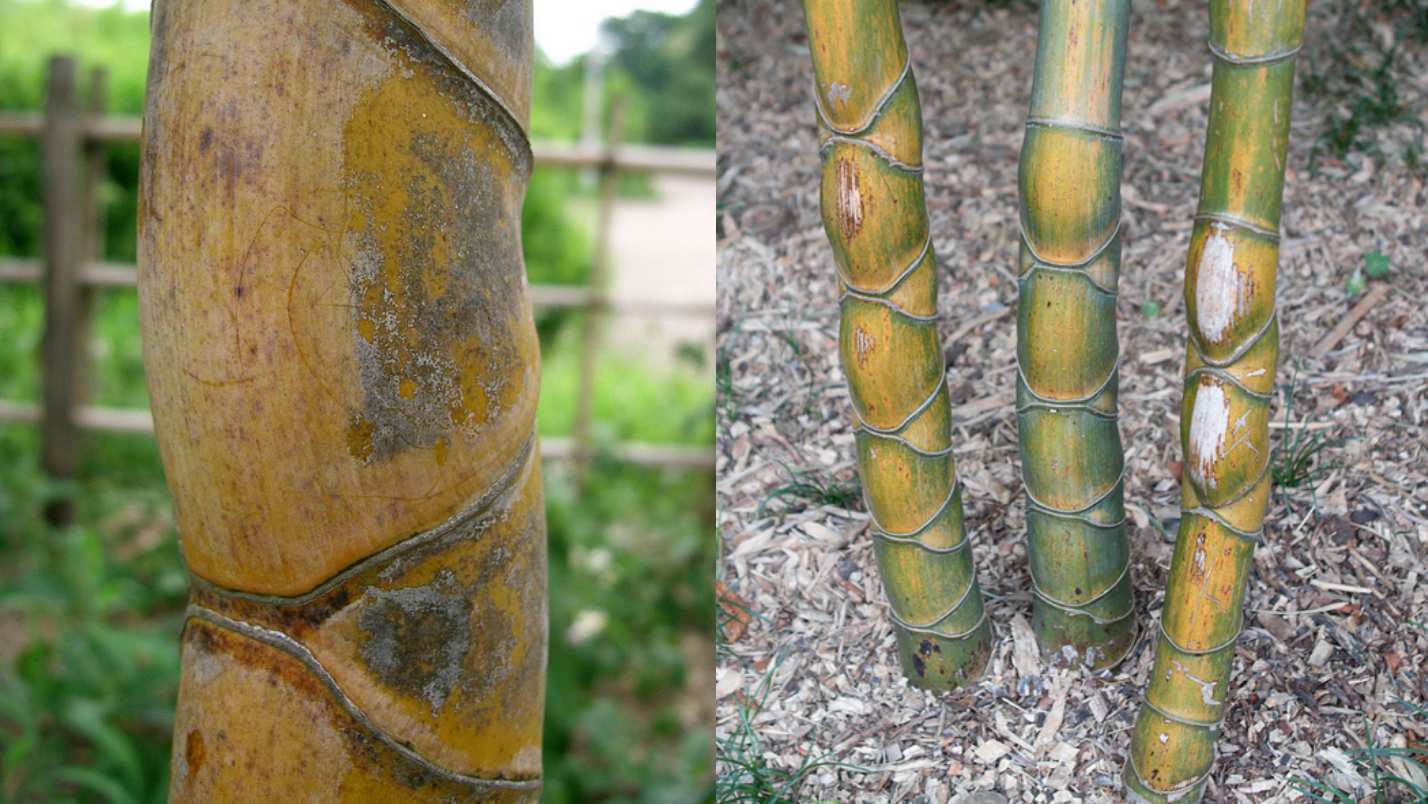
<point>1332,652</point>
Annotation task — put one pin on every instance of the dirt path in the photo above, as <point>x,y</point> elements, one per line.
<point>663,249</point>
<point>1327,638</point>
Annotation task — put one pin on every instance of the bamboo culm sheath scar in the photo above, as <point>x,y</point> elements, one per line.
<point>1229,384</point>
<point>343,371</point>
<point>870,135</point>
<point>1067,354</point>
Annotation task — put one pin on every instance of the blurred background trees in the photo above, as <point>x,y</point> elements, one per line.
<point>90,614</point>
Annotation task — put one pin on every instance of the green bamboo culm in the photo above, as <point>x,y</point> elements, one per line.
<point>870,134</point>
<point>1229,385</point>
<point>1067,353</point>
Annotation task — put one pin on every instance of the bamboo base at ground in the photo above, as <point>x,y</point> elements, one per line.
<point>343,371</point>
<point>1230,364</point>
<point>1067,352</point>
<point>870,135</point>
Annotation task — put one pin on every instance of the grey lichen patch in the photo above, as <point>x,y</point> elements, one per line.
<point>417,637</point>
<point>435,285</point>
<point>505,20</point>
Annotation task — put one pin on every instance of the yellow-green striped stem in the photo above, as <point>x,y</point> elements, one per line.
<point>1229,384</point>
<point>870,133</point>
<point>1067,353</point>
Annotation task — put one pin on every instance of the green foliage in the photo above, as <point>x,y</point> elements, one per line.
<point>1375,267</point>
<point>91,662</point>
<point>662,69</point>
<point>631,403</point>
<point>632,560</point>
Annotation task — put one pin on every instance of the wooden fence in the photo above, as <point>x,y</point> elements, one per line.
<point>73,135</point>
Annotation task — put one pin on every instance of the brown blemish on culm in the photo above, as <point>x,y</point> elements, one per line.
<point>862,344</point>
<point>850,200</point>
<point>193,751</point>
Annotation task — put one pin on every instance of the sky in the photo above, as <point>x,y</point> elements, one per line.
<point>564,29</point>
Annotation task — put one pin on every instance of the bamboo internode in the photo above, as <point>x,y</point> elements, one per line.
<point>870,134</point>
<point>1229,384</point>
<point>343,371</point>
<point>1067,351</point>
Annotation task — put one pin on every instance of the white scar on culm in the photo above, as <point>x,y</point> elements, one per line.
<point>1208,422</point>
<point>1219,288</point>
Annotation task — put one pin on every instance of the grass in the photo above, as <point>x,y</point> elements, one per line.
<point>1373,762</point>
<point>1299,460</point>
<point>805,489</point>
<point>745,774</point>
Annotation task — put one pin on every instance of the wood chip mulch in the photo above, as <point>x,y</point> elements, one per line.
<point>1333,649</point>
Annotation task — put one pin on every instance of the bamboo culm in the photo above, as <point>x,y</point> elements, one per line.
<point>343,371</point>
<point>870,137</point>
<point>1068,357</point>
<point>1232,351</point>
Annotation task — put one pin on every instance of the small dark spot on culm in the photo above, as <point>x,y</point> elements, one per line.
<point>919,665</point>
<point>926,647</point>
<point>1078,590</point>
<point>238,291</point>
<point>205,140</point>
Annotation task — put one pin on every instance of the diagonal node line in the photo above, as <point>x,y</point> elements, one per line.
<point>897,280</point>
<point>1100,498</point>
<point>1078,607</point>
<point>285,643</point>
<point>876,112</point>
<point>484,505</point>
<point>1083,263</point>
<point>878,151</point>
<point>869,298</point>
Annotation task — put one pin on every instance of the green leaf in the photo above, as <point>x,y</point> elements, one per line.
<point>96,782</point>
<point>87,717</point>
<point>1375,265</point>
<point>1356,284</point>
<point>1150,308</point>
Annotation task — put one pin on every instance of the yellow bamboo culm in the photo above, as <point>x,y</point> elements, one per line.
<point>343,371</point>
<point>1068,357</point>
<point>870,135</point>
<point>1230,364</point>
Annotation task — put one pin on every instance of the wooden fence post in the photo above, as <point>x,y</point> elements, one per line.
<point>599,284</point>
<point>92,206</point>
<point>63,243</point>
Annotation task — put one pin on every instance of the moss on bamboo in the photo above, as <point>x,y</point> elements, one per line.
<point>870,135</point>
<point>1229,382</point>
<point>1067,352</point>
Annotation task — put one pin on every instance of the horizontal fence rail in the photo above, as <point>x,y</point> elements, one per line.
<point>620,158</point>
<point>72,137</point>
<point>121,275</point>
